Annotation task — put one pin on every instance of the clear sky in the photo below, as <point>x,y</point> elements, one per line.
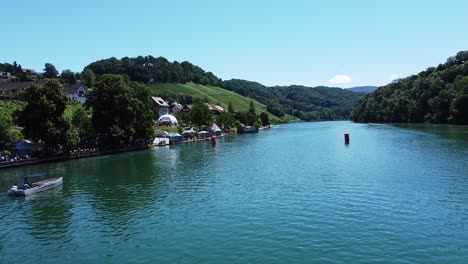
<point>334,43</point>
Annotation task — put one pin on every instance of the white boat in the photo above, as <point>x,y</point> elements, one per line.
<point>38,187</point>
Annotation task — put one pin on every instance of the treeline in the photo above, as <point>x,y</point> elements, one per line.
<point>437,95</point>
<point>305,103</point>
<point>258,92</point>
<point>201,117</point>
<point>117,114</point>
<point>16,70</point>
<point>158,70</point>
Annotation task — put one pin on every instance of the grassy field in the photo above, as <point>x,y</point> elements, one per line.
<point>214,95</point>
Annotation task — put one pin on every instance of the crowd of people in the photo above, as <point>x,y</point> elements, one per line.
<point>12,158</point>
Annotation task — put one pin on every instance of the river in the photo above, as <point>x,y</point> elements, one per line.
<point>395,194</point>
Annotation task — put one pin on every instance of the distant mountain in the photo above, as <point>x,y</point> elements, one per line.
<point>305,103</point>
<point>363,89</point>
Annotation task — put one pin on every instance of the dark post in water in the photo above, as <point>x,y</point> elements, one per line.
<point>346,138</point>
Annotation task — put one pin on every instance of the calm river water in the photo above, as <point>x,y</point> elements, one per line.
<point>396,194</point>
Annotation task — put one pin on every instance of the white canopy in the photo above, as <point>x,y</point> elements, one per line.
<point>168,119</point>
<point>215,128</point>
<point>191,131</point>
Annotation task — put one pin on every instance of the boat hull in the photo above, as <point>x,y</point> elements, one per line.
<point>39,187</point>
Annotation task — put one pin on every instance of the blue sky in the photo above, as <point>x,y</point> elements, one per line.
<point>333,43</point>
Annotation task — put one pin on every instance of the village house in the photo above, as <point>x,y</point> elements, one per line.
<point>160,107</point>
<point>30,73</point>
<point>5,76</point>
<point>215,109</point>
<point>176,107</point>
<point>76,92</point>
<point>13,88</point>
<point>187,108</point>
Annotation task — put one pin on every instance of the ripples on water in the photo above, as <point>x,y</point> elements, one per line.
<point>396,194</point>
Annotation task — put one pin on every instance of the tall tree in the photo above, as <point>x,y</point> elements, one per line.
<point>226,120</point>
<point>89,78</point>
<point>144,115</point>
<point>200,115</point>
<point>68,76</point>
<point>79,118</point>
<point>265,119</point>
<point>8,131</point>
<point>231,109</point>
<point>252,107</point>
<point>50,71</point>
<point>42,117</point>
<point>121,112</point>
<point>251,117</point>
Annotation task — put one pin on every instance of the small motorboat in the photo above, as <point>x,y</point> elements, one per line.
<point>35,187</point>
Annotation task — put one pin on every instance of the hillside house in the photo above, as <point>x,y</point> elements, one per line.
<point>30,73</point>
<point>215,109</point>
<point>160,107</point>
<point>13,88</point>
<point>5,76</point>
<point>76,92</point>
<point>176,107</point>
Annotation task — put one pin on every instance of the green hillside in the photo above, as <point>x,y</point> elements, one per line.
<point>305,103</point>
<point>213,94</point>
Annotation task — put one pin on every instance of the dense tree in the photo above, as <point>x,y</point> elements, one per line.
<point>144,115</point>
<point>265,119</point>
<point>231,109</point>
<point>8,132</point>
<point>79,118</point>
<point>68,76</point>
<point>437,95</point>
<point>226,120</point>
<point>42,117</point>
<point>89,78</point>
<point>251,116</point>
<point>200,115</point>
<point>50,71</point>
<point>159,70</point>
<point>121,112</point>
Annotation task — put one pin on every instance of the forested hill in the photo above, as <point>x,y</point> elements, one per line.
<point>156,70</point>
<point>363,89</point>
<point>258,92</point>
<point>317,103</point>
<point>438,95</point>
<point>306,103</point>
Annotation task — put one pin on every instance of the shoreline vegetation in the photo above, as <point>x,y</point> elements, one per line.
<point>87,153</point>
<point>116,105</point>
<point>117,116</point>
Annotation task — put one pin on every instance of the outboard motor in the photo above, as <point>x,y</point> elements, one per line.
<point>13,190</point>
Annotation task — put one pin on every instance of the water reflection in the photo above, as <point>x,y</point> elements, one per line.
<point>456,132</point>
<point>399,192</point>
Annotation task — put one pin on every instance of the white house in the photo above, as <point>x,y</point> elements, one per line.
<point>176,107</point>
<point>160,107</point>
<point>76,92</point>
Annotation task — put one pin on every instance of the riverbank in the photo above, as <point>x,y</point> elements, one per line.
<point>80,155</point>
<point>32,161</point>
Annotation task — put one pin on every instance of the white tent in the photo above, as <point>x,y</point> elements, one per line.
<point>215,128</point>
<point>168,119</point>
